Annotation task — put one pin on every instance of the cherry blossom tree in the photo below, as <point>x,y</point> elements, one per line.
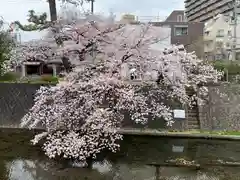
<point>43,50</point>
<point>81,115</point>
<point>6,45</point>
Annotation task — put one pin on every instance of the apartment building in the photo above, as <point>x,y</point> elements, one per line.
<point>218,38</point>
<point>203,10</point>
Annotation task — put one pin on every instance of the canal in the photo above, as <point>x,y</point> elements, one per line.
<point>140,158</point>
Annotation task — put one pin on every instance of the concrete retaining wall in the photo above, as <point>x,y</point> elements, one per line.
<point>222,112</point>
<point>16,99</point>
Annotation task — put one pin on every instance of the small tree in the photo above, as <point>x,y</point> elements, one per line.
<point>6,45</point>
<point>40,22</point>
<point>81,114</point>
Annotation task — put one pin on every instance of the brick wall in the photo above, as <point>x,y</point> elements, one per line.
<point>16,99</point>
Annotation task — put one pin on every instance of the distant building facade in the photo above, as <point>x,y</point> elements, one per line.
<point>176,16</point>
<point>128,18</point>
<point>204,10</point>
<point>181,32</point>
<point>189,34</point>
<point>218,38</point>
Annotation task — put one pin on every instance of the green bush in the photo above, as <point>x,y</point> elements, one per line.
<point>6,45</point>
<point>10,77</point>
<point>233,68</point>
<point>49,78</point>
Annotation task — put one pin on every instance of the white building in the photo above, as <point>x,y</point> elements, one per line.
<point>218,38</point>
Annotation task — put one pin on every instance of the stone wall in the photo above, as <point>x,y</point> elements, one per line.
<point>222,112</point>
<point>16,99</point>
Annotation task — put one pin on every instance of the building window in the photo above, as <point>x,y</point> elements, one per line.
<point>218,57</point>
<point>220,33</point>
<point>179,18</point>
<point>180,31</point>
<point>227,44</point>
<point>133,74</point>
<point>185,18</point>
<point>229,33</point>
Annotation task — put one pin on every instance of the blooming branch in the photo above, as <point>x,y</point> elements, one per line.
<point>82,113</point>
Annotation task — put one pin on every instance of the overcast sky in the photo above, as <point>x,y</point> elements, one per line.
<point>12,10</point>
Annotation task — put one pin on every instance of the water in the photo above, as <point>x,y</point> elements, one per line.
<point>138,160</point>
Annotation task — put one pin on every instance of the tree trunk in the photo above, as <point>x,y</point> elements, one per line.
<point>92,6</point>
<point>53,10</point>
<point>89,162</point>
<point>66,64</point>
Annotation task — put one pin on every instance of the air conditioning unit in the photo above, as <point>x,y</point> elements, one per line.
<point>227,44</point>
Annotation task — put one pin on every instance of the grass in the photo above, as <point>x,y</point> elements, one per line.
<point>233,68</point>
<point>230,133</point>
<point>28,82</point>
<point>16,78</point>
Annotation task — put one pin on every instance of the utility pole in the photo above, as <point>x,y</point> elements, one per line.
<point>235,22</point>
<point>53,10</point>
<point>92,6</point>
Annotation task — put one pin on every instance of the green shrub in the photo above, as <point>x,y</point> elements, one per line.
<point>49,78</point>
<point>233,68</point>
<point>6,45</point>
<point>10,76</point>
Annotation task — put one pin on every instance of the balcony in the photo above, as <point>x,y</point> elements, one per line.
<point>208,38</point>
<point>208,47</point>
<point>205,10</point>
<point>204,15</point>
<point>220,36</point>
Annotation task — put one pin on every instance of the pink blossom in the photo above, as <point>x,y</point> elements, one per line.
<point>82,113</point>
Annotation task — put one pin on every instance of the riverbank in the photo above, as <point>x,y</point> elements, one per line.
<point>194,134</point>
<point>138,158</point>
